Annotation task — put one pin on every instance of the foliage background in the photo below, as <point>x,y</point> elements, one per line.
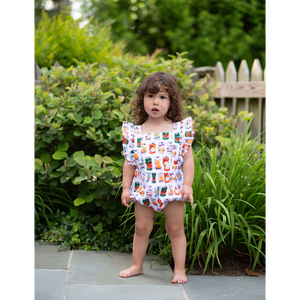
<point>209,30</point>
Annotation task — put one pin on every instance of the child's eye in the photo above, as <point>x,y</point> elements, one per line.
<point>163,97</point>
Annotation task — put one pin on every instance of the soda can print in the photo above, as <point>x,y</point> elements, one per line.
<point>157,163</point>
<point>172,177</point>
<point>149,163</point>
<point>148,177</point>
<point>156,191</point>
<point>171,191</point>
<point>166,164</point>
<point>149,192</point>
<point>177,137</point>
<point>144,148</point>
<point>146,202</point>
<point>161,147</point>
<point>148,136</point>
<point>152,148</point>
<point>169,148</point>
<point>136,186</point>
<point>175,164</point>
<point>153,178</point>
<point>188,134</point>
<point>160,177</point>
<point>163,191</point>
<point>156,135</point>
<point>166,177</point>
<point>139,142</point>
<point>125,141</point>
<point>165,136</point>
<point>174,150</point>
<point>142,165</point>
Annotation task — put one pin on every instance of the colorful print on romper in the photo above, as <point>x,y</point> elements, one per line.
<point>139,142</point>
<point>166,164</point>
<point>157,163</point>
<point>146,202</point>
<point>163,191</point>
<point>156,135</point>
<point>158,159</point>
<point>165,136</point>
<point>161,147</point>
<point>136,186</point>
<point>149,163</point>
<point>152,148</point>
<point>153,178</point>
<point>160,177</point>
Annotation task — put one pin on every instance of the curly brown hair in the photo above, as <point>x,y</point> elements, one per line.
<point>154,83</point>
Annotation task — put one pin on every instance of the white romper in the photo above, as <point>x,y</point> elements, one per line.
<point>158,158</point>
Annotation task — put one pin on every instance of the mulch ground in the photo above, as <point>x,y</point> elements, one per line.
<point>242,268</point>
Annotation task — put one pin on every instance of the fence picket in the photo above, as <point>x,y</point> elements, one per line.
<point>56,64</point>
<point>256,71</point>
<point>219,75</point>
<point>243,73</point>
<point>231,76</point>
<point>243,76</point>
<point>37,73</point>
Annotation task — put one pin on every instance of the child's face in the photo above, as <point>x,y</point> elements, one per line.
<point>156,105</point>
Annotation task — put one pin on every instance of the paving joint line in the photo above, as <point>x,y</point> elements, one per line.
<point>67,276</point>
<point>184,293</point>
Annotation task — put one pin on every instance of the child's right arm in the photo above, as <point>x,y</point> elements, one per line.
<point>128,173</point>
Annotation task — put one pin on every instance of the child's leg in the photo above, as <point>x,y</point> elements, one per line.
<point>175,229</point>
<point>143,227</point>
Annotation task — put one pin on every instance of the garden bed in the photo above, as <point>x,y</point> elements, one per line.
<point>241,269</point>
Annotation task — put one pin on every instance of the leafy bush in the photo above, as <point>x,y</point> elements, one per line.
<point>62,39</point>
<point>78,119</point>
<point>228,215</point>
<point>85,232</point>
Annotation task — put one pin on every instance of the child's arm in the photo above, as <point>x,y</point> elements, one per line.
<point>128,173</point>
<point>188,174</point>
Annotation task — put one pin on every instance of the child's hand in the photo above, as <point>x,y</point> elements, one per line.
<point>125,197</point>
<point>187,193</point>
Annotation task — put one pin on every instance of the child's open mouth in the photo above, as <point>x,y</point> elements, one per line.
<point>154,110</point>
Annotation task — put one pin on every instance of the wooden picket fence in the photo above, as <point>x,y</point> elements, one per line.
<point>236,92</point>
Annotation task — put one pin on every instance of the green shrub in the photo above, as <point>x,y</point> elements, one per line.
<point>78,117</point>
<point>228,215</point>
<point>62,39</point>
<point>85,232</point>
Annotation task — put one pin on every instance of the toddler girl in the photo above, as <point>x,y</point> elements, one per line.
<point>159,168</point>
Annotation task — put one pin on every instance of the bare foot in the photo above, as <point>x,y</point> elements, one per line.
<point>179,277</point>
<point>132,271</point>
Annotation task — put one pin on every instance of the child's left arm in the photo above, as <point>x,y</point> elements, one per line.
<point>188,174</point>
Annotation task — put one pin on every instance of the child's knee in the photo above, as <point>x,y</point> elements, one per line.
<point>142,229</point>
<point>175,230</point>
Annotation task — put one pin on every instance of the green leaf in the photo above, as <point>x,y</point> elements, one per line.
<point>107,160</point>
<point>64,178</point>
<point>58,155</point>
<point>80,178</point>
<point>83,84</point>
<point>46,158</point>
<point>87,120</point>
<point>105,95</point>
<point>112,213</point>
<point>78,118</point>
<point>113,123</point>
<point>63,146</point>
<point>80,160</point>
<point>78,153</point>
<point>89,199</point>
<point>98,159</point>
<point>98,114</point>
<point>79,201</point>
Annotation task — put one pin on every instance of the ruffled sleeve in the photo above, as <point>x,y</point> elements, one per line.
<point>187,135</point>
<point>128,142</point>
